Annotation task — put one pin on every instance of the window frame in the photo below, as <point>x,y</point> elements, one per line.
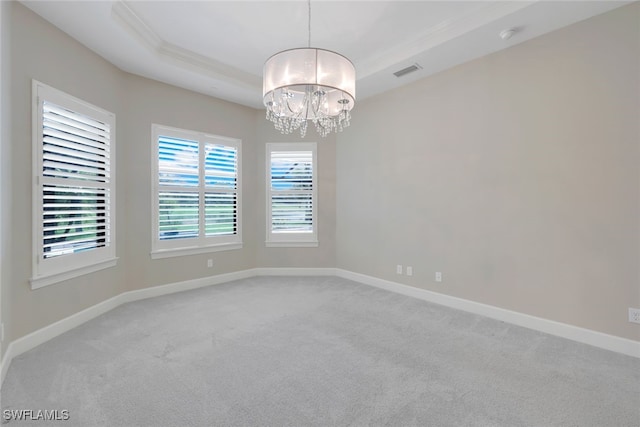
<point>292,239</point>
<point>67,266</point>
<point>201,243</point>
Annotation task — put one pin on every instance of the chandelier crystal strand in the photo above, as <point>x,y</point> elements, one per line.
<point>309,84</point>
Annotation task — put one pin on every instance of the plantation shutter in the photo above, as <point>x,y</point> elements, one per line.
<point>292,192</point>
<point>75,178</point>
<point>198,191</point>
<point>178,178</point>
<point>221,197</point>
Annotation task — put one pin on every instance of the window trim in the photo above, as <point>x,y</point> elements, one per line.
<point>49,271</point>
<point>292,240</point>
<point>201,244</point>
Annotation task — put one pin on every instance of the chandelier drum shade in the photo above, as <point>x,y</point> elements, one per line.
<point>309,84</point>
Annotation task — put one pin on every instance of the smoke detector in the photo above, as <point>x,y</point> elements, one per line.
<point>508,33</point>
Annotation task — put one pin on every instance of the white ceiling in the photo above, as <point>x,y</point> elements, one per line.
<point>218,47</point>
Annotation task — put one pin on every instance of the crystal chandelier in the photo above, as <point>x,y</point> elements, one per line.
<point>309,84</point>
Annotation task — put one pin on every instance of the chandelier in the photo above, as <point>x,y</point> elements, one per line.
<point>309,85</point>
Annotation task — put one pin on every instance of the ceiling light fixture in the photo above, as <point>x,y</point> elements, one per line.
<point>507,34</point>
<point>309,84</point>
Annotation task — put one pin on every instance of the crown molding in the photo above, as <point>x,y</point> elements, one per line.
<point>131,22</point>
<point>447,30</point>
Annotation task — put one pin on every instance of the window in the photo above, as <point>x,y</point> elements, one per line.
<point>291,194</point>
<point>196,193</point>
<point>74,187</point>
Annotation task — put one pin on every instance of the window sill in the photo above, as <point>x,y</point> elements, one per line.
<point>42,281</point>
<point>313,244</point>
<point>175,252</point>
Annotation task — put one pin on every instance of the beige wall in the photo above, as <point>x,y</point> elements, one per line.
<point>151,102</point>
<point>5,170</point>
<point>39,51</point>
<point>515,175</point>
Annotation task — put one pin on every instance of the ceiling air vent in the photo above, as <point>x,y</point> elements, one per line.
<point>409,69</point>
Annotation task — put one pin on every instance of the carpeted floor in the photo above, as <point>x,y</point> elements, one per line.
<point>316,351</point>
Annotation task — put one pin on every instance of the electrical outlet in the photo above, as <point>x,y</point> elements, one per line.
<point>634,315</point>
<point>409,271</point>
<point>438,276</point>
<point>209,263</point>
<point>398,269</point>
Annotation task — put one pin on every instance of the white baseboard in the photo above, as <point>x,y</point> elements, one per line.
<point>295,271</point>
<point>586,336</point>
<point>155,291</point>
<point>563,330</point>
<point>4,363</point>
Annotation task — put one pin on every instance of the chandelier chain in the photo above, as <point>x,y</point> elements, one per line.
<point>309,8</point>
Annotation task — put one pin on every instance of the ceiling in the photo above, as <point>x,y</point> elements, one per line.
<point>218,48</point>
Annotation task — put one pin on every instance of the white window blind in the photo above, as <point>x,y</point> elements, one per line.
<point>221,196</point>
<point>197,192</point>
<point>74,196</point>
<point>178,178</point>
<point>75,169</point>
<point>291,193</point>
